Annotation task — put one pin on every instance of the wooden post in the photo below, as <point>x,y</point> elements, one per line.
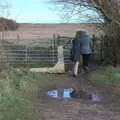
<point>50,50</point>
<point>26,56</point>
<point>60,54</point>
<point>54,38</point>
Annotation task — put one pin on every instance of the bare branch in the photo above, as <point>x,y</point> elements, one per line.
<point>77,9</point>
<point>107,9</point>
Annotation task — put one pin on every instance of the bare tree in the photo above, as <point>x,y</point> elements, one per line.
<point>107,9</point>
<point>79,10</point>
<point>4,25</point>
<point>4,12</point>
<point>4,8</point>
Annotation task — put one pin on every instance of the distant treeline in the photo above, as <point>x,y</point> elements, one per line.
<point>8,24</point>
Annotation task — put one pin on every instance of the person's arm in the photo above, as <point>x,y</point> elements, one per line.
<point>91,45</point>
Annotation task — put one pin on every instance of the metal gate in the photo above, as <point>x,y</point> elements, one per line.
<point>33,52</point>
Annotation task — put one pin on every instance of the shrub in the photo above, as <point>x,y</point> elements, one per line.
<point>111,44</point>
<point>8,24</point>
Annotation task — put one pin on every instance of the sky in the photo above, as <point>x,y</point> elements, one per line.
<point>31,11</point>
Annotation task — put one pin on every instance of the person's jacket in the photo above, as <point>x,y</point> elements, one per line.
<point>85,44</point>
<point>75,51</point>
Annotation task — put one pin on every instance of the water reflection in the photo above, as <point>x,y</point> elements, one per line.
<point>62,93</point>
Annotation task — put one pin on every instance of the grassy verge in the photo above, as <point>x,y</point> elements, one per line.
<point>106,75</point>
<point>16,85</point>
<point>32,64</point>
<point>108,80</point>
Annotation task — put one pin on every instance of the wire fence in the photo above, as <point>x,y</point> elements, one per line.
<point>40,52</point>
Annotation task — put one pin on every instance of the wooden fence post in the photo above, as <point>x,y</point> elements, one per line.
<point>54,39</point>
<point>26,56</point>
<point>50,51</point>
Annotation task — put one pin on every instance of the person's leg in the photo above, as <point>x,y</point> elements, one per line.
<point>75,70</point>
<point>85,62</point>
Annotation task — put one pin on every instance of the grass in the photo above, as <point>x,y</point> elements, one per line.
<point>16,86</point>
<point>32,64</point>
<point>106,75</point>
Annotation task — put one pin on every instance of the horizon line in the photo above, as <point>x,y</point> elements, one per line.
<point>60,23</point>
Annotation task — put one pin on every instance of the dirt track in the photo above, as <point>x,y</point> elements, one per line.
<point>75,109</point>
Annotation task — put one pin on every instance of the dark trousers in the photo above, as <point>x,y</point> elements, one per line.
<point>86,58</point>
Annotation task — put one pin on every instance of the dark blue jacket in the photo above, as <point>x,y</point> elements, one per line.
<point>75,51</point>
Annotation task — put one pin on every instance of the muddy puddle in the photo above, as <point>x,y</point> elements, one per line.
<point>71,93</point>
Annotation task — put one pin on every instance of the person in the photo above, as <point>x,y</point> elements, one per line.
<point>85,49</point>
<point>93,40</point>
<point>75,54</point>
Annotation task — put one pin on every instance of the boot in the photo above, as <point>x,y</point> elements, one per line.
<point>86,69</point>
